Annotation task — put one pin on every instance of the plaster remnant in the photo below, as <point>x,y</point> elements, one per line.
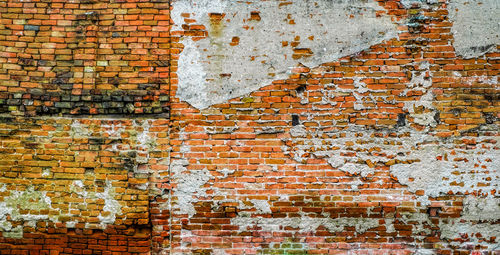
<point>421,81</point>
<point>424,252</point>
<point>79,130</point>
<point>360,169</point>
<point>476,26</point>
<point>113,131</point>
<point>481,209</point>
<point>189,185</point>
<point>111,205</point>
<point>16,204</point>
<point>416,159</point>
<point>304,223</point>
<point>211,70</point>
<point>144,139</point>
<point>478,220</point>
<point>225,172</point>
<point>46,172</point>
<point>439,169</point>
<point>418,3</point>
<point>262,206</point>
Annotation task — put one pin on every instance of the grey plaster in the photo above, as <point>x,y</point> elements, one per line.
<point>304,223</point>
<point>189,185</point>
<point>211,71</point>
<point>416,159</point>
<point>476,26</point>
<point>479,219</point>
<point>418,3</point>
<point>421,81</point>
<point>14,207</point>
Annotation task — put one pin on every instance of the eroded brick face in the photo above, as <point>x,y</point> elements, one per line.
<point>260,127</point>
<point>84,57</point>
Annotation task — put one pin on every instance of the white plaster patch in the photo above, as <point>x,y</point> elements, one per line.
<point>442,168</point>
<point>113,130</point>
<point>17,202</point>
<point>79,130</point>
<point>478,217</point>
<point>304,223</point>
<point>189,185</point>
<point>211,70</point>
<point>262,206</point>
<point>226,172</point>
<point>360,169</point>
<point>418,3</point>
<point>419,160</point>
<point>46,172</point>
<point>424,252</point>
<point>111,205</point>
<point>481,208</point>
<point>144,139</point>
<point>421,81</point>
<point>476,26</point>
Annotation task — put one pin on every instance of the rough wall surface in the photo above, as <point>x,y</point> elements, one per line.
<point>249,127</point>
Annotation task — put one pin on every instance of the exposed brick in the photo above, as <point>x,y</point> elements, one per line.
<point>100,155</point>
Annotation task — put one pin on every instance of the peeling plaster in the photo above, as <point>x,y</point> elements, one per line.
<point>481,209</point>
<point>440,169</point>
<point>360,169</point>
<point>262,206</point>
<point>476,26</point>
<point>304,223</point>
<point>79,130</point>
<point>424,252</point>
<point>479,219</point>
<point>189,185</point>
<point>13,205</point>
<point>418,3</point>
<point>421,81</point>
<point>416,159</point>
<point>142,142</point>
<point>226,172</point>
<point>112,206</point>
<point>211,70</point>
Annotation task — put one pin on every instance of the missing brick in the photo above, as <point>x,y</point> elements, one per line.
<point>295,120</point>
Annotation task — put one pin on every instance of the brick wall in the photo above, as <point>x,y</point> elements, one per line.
<point>104,149</point>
